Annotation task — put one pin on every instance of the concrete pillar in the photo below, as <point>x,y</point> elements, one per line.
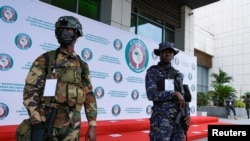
<point>184,36</point>
<point>116,13</point>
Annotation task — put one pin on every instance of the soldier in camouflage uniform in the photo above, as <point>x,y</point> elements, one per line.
<point>73,88</point>
<point>166,103</point>
<point>247,102</point>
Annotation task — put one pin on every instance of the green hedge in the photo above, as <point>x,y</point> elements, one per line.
<point>239,103</point>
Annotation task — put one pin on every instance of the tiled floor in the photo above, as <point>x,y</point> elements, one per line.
<point>240,121</point>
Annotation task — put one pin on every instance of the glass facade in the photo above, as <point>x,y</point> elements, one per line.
<point>202,79</point>
<point>87,8</point>
<point>150,27</point>
<point>142,24</point>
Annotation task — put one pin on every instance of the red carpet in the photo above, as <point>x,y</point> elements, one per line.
<point>126,130</point>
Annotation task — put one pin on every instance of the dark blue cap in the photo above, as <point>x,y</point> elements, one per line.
<point>163,46</point>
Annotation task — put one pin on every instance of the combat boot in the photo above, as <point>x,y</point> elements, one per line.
<point>235,117</point>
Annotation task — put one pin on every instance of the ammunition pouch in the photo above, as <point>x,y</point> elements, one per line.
<point>180,120</point>
<point>23,131</point>
<point>182,88</point>
<point>187,96</point>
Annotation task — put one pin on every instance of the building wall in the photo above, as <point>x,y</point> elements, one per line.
<point>184,36</point>
<point>203,40</point>
<point>228,23</point>
<point>116,13</point>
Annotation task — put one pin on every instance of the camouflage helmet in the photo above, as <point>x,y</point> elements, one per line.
<point>69,22</point>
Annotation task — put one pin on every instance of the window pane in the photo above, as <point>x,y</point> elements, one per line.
<point>169,35</point>
<point>202,79</point>
<point>66,4</point>
<point>144,24</point>
<point>149,30</point>
<point>89,8</point>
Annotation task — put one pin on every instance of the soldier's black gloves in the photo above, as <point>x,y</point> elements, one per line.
<point>37,132</point>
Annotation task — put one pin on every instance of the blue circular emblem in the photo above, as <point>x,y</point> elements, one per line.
<point>8,14</point>
<point>192,109</point>
<point>193,66</point>
<point>23,41</point>
<point>99,92</point>
<point>136,54</point>
<point>193,88</point>
<point>6,62</point>
<point>118,77</point>
<point>149,110</point>
<point>117,44</point>
<point>4,111</point>
<point>116,109</point>
<point>135,95</point>
<point>176,60</point>
<point>190,76</point>
<point>86,54</point>
<point>154,56</point>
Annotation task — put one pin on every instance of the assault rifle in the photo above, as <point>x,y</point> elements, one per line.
<point>50,120</point>
<point>184,90</point>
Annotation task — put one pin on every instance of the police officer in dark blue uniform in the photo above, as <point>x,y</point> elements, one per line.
<point>160,89</point>
<point>230,106</point>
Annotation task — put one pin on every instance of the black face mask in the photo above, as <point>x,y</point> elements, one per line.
<point>65,37</point>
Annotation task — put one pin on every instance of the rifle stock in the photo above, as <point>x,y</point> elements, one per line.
<point>51,116</point>
<point>180,118</point>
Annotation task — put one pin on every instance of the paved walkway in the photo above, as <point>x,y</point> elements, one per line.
<point>240,121</point>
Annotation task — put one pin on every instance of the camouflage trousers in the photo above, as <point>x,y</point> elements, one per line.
<point>67,126</point>
<point>247,109</point>
<point>164,129</point>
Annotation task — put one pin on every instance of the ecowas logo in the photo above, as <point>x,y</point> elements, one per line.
<point>8,14</point>
<point>86,54</point>
<point>6,62</point>
<point>136,54</point>
<point>4,111</point>
<point>23,41</point>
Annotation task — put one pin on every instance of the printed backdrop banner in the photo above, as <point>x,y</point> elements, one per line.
<point>117,59</point>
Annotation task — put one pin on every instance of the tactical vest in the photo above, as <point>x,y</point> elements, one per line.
<point>70,90</point>
<point>178,82</point>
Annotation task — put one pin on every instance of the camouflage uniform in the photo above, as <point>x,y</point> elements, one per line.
<point>73,90</point>
<point>165,109</point>
<point>247,102</point>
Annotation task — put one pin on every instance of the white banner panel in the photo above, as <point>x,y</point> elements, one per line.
<point>117,59</point>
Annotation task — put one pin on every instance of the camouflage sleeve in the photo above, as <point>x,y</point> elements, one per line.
<point>33,89</point>
<point>151,87</point>
<point>90,104</point>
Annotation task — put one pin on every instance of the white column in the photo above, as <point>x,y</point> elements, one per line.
<point>184,36</point>
<point>116,13</point>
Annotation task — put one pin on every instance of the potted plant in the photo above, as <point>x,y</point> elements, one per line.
<point>221,90</point>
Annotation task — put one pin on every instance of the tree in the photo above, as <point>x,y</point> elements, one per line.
<point>245,95</point>
<point>202,99</point>
<point>221,78</point>
<point>221,88</point>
